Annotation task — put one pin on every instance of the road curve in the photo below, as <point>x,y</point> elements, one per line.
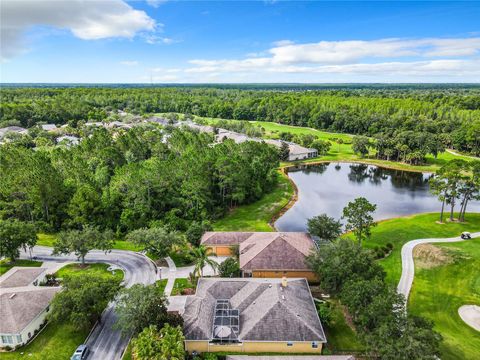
<point>408,266</point>
<point>106,343</point>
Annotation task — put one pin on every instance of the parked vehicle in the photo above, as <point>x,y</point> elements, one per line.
<point>466,235</point>
<point>81,353</point>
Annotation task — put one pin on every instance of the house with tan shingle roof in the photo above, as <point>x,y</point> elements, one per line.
<point>265,254</point>
<point>252,316</point>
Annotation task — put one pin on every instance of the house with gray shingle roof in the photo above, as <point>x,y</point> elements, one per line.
<point>23,305</point>
<point>22,276</point>
<point>265,254</point>
<point>252,316</point>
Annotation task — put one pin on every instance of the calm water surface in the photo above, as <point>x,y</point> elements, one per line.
<point>328,187</point>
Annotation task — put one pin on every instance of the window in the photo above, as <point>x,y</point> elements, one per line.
<point>7,339</point>
<point>29,335</point>
<point>314,345</point>
<point>289,343</point>
<point>19,339</point>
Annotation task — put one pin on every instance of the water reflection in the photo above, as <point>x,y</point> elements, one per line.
<point>328,187</point>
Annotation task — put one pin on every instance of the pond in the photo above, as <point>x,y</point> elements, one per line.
<point>328,187</point>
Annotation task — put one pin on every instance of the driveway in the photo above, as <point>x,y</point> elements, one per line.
<point>408,266</point>
<point>106,343</point>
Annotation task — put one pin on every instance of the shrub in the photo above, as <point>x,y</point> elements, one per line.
<point>324,311</point>
<point>229,268</point>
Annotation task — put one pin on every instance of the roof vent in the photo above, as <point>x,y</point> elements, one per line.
<point>284,282</point>
<point>12,296</point>
<point>283,297</point>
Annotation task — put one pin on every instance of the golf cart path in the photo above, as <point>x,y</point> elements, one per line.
<point>453,152</point>
<point>408,266</point>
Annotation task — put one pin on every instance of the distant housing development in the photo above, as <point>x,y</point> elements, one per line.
<point>254,316</point>
<point>23,306</point>
<point>265,254</point>
<point>296,152</point>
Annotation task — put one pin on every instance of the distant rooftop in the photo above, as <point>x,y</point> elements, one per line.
<point>266,250</point>
<point>20,276</point>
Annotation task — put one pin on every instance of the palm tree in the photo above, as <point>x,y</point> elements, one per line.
<point>201,258</point>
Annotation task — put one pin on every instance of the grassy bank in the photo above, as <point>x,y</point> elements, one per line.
<point>398,231</point>
<point>441,288</point>
<point>58,341</point>
<point>340,336</point>
<point>256,216</point>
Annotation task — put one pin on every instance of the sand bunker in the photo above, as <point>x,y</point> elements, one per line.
<point>471,315</point>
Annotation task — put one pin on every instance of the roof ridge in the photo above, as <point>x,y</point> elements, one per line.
<point>264,314</point>
<point>321,336</point>
<point>290,241</point>
<point>262,246</point>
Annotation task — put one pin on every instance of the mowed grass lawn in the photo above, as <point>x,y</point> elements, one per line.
<point>398,231</point>
<point>49,240</point>
<point>439,291</point>
<point>256,216</point>
<point>97,269</point>
<point>58,341</point>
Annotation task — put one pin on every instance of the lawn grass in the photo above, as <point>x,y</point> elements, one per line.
<point>180,285</point>
<point>438,292</point>
<point>162,284</point>
<point>181,258</point>
<point>257,216</point>
<point>49,240</point>
<point>46,239</point>
<point>340,336</point>
<point>58,341</point>
<point>6,264</point>
<point>55,342</point>
<point>398,231</point>
<point>98,269</point>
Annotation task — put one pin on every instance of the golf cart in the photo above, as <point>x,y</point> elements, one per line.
<point>466,235</point>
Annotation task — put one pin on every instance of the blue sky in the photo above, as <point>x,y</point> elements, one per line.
<point>115,41</point>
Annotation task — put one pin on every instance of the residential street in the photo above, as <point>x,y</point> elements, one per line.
<point>408,266</point>
<point>105,343</point>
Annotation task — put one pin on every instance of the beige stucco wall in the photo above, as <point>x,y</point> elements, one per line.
<point>254,347</point>
<point>309,275</point>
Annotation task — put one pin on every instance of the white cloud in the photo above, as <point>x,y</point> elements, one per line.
<point>155,39</point>
<point>375,60</point>
<point>129,62</point>
<point>156,3</point>
<point>86,19</point>
<point>335,52</point>
<point>430,59</point>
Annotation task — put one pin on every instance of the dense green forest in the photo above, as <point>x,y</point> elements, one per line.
<point>448,116</point>
<point>127,179</point>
